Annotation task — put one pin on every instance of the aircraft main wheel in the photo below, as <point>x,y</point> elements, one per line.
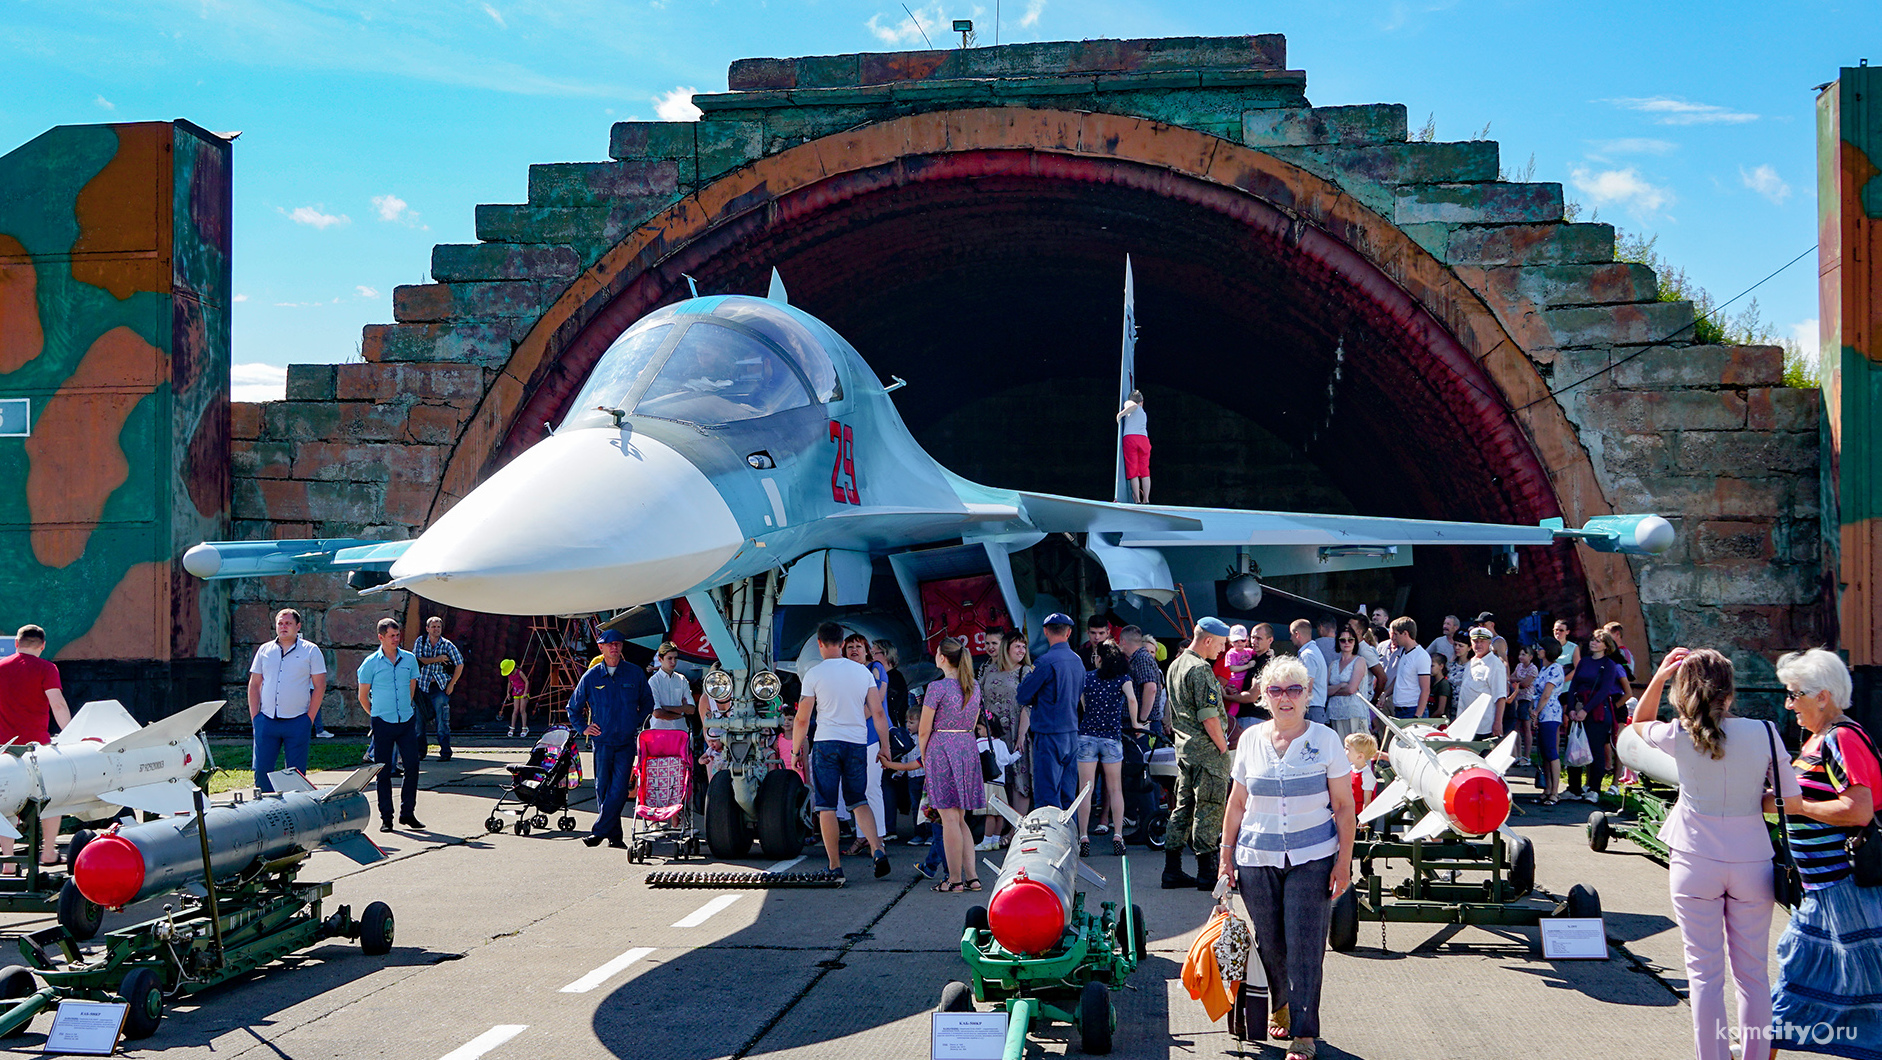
<point>76,844</point>
<point>375,930</point>
<point>956,997</point>
<point>78,914</point>
<point>494,823</point>
<point>1520,857</point>
<point>976,918</point>
<point>780,814</point>
<point>1343,928</point>
<point>1599,831</point>
<point>727,832</point>
<point>1137,943</point>
<point>142,990</point>
<point>1095,1020</point>
<point>14,985</point>
<point>566,823</point>
<point>1584,901</point>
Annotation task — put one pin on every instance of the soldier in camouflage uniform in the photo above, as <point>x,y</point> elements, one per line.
<point>1202,758</point>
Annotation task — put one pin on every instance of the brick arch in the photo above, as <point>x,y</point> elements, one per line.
<point>1458,325</point>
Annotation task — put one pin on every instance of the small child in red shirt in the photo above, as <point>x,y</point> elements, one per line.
<point>1361,750</point>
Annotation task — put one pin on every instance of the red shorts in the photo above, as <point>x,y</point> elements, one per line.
<point>1136,456</point>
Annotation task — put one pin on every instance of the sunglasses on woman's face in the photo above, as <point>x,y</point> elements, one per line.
<point>1346,640</point>
<point>1276,691</point>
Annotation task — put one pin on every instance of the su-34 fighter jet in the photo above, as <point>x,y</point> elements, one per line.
<point>729,437</point>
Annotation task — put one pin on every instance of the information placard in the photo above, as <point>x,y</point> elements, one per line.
<point>969,1036</point>
<point>87,1028</point>
<point>1574,939</point>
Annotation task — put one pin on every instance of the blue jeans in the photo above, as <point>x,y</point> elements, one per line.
<point>434,713</point>
<point>1317,713</point>
<point>276,735</point>
<point>1054,768</point>
<point>396,740</point>
<point>834,765</point>
<point>614,782</point>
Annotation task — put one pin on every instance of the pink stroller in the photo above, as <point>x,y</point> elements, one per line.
<point>663,788</point>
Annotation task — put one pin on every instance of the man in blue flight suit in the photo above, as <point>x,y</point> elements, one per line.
<point>611,702</point>
<point>1052,691</point>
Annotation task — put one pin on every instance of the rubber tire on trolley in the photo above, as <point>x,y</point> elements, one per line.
<point>566,823</point>
<point>79,915</point>
<point>1599,831</point>
<point>76,844</point>
<point>493,823</point>
<point>375,930</point>
<point>1520,857</point>
<point>1343,927</point>
<point>1138,943</point>
<point>1094,1019</point>
<point>728,834</point>
<point>976,919</point>
<point>781,814</point>
<point>956,996</point>
<point>142,990</point>
<point>17,983</point>
<point>1584,901</point>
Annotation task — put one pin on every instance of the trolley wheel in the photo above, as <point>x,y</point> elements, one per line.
<point>955,997</point>
<point>566,823</point>
<point>1521,854</point>
<point>14,985</point>
<point>375,930</point>
<point>1153,832</point>
<point>142,990</point>
<point>727,832</point>
<point>1584,901</point>
<point>1138,942</point>
<point>1599,831</point>
<point>76,844</point>
<point>1343,928</point>
<point>976,919</point>
<point>78,914</point>
<point>780,814</point>
<point>1095,1019</point>
<point>541,820</point>
<point>494,823</point>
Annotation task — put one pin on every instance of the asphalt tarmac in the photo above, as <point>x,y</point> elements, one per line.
<point>525,947</point>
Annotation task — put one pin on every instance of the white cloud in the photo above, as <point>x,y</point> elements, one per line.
<point>104,103</point>
<point>677,105</point>
<point>1634,145</point>
<point>390,207</point>
<point>905,29</point>
<point>1669,111</point>
<point>496,16</point>
<point>311,215</point>
<point>1034,8</point>
<point>1807,335</point>
<point>258,382</point>
<point>367,292</point>
<point>1765,181</point>
<point>241,298</point>
<point>1620,187</point>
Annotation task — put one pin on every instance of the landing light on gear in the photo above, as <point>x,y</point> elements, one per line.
<point>718,685</point>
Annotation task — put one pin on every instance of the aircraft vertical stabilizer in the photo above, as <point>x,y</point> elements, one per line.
<point>1127,376</point>
<point>776,291</point>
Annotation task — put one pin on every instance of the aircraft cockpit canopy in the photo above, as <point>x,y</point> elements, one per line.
<point>711,361</point>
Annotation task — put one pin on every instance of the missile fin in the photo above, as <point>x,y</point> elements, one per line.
<point>1083,796</point>
<point>176,728</point>
<point>287,780</point>
<point>355,781</point>
<point>8,828</point>
<point>999,805</point>
<point>355,845</point>
<point>1093,875</point>
<point>100,721</point>
<point>1433,824</point>
<point>1503,755</point>
<point>1470,722</point>
<point>1396,794</point>
<point>167,799</point>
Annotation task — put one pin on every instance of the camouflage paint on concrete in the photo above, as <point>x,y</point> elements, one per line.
<point>114,325</point>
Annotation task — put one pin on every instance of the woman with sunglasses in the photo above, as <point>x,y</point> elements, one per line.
<point>1346,676</point>
<point>1290,853</point>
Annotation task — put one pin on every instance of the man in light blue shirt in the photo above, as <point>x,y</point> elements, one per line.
<point>1301,631</point>
<point>388,679</point>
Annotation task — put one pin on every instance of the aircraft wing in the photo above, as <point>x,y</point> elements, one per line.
<point>259,559</point>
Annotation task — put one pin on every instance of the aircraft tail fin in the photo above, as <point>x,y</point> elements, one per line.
<point>176,728</point>
<point>776,291</point>
<point>289,780</point>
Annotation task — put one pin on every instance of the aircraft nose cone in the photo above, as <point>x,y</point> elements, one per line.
<point>587,520</point>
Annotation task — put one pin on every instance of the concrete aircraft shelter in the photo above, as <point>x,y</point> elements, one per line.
<point>1332,317</point>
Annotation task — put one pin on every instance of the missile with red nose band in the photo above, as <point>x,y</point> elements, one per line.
<point>1031,903</point>
<point>130,863</point>
<point>1462,791</point>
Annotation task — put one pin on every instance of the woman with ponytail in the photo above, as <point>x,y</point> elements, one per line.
<point>950,755</point>
<point>1720,852</point>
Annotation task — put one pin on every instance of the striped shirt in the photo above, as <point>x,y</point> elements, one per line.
<point>1827,766</point>
<point>1289,815</point>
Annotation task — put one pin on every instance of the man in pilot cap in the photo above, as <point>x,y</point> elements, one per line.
<point>610,704</point>
<point>1202,758</point>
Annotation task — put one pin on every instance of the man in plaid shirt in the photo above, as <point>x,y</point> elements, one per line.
<point>435,685</point>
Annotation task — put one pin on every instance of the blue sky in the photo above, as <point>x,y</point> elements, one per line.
<point>371,128</point>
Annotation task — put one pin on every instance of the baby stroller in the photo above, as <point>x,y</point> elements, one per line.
<point>542,786</point>
<point>1149,775</point>
<point>663,788</point>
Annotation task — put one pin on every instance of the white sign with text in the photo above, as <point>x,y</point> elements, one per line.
<point>86,1028</point>
<point>1574,939</point>
<point>969,1036</point>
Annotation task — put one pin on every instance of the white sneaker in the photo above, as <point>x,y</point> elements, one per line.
<point>323,736</point>
<point>1589,796</point>
<point>992,842</point>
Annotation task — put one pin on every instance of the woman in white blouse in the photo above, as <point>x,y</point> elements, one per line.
<point>1287,840</point>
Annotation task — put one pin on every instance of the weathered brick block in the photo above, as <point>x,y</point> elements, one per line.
<point>487,343</point>
<point>655,139</point>
<point>1646,410</point>
<point>267,459</point>
<point>595,183</point>
<point>434,424</point>
<point>452,262</point>
<point>1730,541</point>
<point>245,420</point>
<point>1706,496</point>
<point>422,302</point>
<point>342,462</point>
<point>409,505</point>
<point>1746,453</point>
<point>1540,244</point>
<point>1636,324</point>
<point>345,501</point>
<point>1478,203</point>
<point>1585,285</point>
<point>299,421</point>
<point>426,381</point>
<point>1728,584</point>
<point>1636,454</point>
<point>310,382</point>
<point>1784,408</point>
<point>370,423</point>
<point>1372,124</point>
<point>350,628</point>
<point>270,498</point>
<point>727,145</point>
<point>1702,366</point>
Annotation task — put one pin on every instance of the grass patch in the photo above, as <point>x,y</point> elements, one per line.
<point>235,762</point>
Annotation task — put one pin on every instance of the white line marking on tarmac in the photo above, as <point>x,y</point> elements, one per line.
<point>602,974</point>
<point>705,912</point>
<point>486,1041</point>
<point>785,866</point>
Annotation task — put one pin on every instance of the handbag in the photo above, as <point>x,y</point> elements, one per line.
<point>990,770</point>
<point>1787,883</point>
<point>1578,753</point>
<point>1865,843</point>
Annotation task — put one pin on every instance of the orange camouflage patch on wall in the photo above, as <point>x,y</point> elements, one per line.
<point>21,337</point>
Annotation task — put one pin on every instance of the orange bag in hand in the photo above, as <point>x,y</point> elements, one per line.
<point>1202,977</point>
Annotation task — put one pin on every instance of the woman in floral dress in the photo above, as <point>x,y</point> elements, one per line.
<point>950,756</point>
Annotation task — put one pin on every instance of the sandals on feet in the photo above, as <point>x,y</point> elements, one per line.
<point>972,884</point>
<point>948,888</point>
<point>1301,1049</point>
<point>1277,1024</point>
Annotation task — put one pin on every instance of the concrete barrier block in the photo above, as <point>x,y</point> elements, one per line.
<point>1396,163</point>
<point>1639,411</point>
<point>1746,453</point>
<point>1733,541</point>
<point>1663,368</point>
<point>1531,244</point>
<point>345,501</point>
<point>1378,123</point>
<point>245,420</point>
<point>424,302</point>
<point>1634,324</point>
<point>657,139</point>
<point>453,262</point>
<point>597,183</point>
<point>1784,408</point>
<point>310,382</point>
<point>1585,285</point>
<point>299,420</point>
<point>1494,203</point>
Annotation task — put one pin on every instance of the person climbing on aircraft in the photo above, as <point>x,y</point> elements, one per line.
<point>1136,446</point>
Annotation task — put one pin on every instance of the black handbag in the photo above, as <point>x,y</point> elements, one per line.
<point>1865,844</point>
<point>990,767</point>
<point>1787,884</point>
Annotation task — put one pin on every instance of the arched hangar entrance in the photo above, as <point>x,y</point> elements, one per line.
<point>1300,350</point>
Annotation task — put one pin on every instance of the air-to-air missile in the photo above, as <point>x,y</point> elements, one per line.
<point>1462,791</point>
<point>103,761</point>
<point>130,863</point>
<point>1031,902</point>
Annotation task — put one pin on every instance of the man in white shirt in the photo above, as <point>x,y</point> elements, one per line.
<point>285,685</point>
<point>672,693</point>
<point>1301,632</point>
<point>1407,685</point>
<point>1485,674</point>
<point>841,693</point>
<point>1442,645</point>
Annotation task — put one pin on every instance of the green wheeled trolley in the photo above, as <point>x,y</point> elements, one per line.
<point>1643,809</point>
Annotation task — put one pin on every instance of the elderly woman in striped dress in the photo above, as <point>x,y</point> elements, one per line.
<point>1287,840</point>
